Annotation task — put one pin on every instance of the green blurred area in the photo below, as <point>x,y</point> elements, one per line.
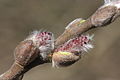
<point>20,17</point>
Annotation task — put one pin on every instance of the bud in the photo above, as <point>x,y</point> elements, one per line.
<point>44,41</point>
<point>75,22</point>
<point>71,51</point>
<point>25,53</point>
<point>63,59</point>
<point>106,13</point>
<point>112,3</point>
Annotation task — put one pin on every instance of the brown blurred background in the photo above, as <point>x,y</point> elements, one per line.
<point>20,17</point>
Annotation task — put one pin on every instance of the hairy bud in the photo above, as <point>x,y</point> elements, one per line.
<point>70,52</point>
<point>44,41</point>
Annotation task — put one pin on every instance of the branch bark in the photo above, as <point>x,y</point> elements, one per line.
<point>102,17</point>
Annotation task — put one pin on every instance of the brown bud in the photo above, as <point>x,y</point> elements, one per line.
<point>25,52</point>
<point>103,15</point>
<point>64,59</point>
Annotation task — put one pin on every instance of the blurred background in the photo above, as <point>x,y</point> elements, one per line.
<point>20,17</point>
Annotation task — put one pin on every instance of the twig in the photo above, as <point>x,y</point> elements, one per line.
<point>103,16</point>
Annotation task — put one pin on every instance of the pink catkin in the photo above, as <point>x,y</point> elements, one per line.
<point>44,37</point>
<point>44,41</point>
<point>78,44</point>
<point>41,38</point>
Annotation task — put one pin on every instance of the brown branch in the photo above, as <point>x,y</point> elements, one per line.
<point>103,16</point>
<point>12,73</point>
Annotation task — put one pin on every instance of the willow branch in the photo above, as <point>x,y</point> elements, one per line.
<point>103,16</point>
